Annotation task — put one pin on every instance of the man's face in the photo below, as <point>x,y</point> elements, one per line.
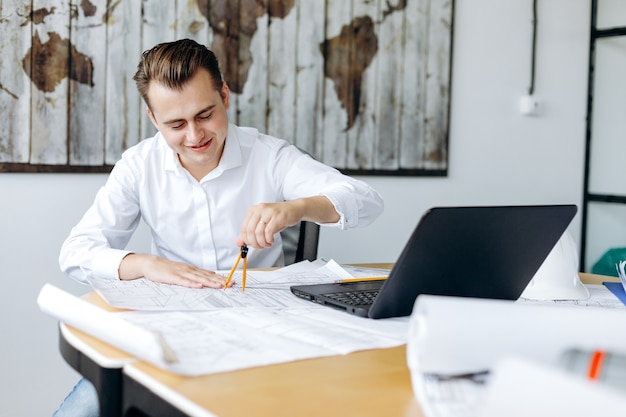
<point>193,121</point>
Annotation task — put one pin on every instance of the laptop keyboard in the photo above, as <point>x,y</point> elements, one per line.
<point>354,298</point>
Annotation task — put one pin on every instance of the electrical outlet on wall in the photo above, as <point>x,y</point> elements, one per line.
<point>530,105</point>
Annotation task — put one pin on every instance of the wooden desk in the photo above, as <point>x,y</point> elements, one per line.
<point>367,383</point>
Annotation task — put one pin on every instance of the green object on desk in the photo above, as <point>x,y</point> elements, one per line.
<point>606,264</point>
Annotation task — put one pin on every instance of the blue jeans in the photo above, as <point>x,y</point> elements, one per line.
<point>81,402</point>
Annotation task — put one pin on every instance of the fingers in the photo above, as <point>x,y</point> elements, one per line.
<point>263,221</point>
<point>202,278</point>
<point>264,233</point>
<point>257,233</point>
<point>178,273</point>
<point>217,281</point>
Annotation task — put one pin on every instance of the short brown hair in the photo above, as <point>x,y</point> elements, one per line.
<point>172,64</point>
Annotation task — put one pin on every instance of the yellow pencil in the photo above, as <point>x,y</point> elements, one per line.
<point>360,279</point>
<point>232,271</point>
<point>243,280</point>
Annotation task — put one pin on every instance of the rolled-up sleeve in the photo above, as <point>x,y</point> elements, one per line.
<point>356,202</point>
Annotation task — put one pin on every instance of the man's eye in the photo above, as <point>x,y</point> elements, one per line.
<point>206,116</point>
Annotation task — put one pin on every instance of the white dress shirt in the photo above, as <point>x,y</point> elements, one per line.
<point>198,222</point>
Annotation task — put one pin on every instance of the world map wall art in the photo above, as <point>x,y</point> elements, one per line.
<point>361,85</point>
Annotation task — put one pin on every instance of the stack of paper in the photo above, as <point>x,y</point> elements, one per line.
<point>264,289</point>
<point>194,332</point>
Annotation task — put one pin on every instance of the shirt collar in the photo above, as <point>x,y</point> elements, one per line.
<point>231,157</point>
<point>170,161</point>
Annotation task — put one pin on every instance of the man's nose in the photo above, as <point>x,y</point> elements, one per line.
<point>195,131</point>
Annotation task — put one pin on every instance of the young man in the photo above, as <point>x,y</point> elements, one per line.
<point>204,187</point>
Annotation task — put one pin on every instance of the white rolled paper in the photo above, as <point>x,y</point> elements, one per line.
<point>99,323</point>
<point>455,335</point>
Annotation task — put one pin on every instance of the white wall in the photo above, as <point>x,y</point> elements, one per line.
<point>497,156</point>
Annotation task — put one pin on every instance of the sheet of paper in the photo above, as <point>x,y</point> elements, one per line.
<point>268,289</point>
<point>450,335</point>
<point>218,340</point>
<point>229,339</point>
<point>364,272</point>
<point>448,397</point>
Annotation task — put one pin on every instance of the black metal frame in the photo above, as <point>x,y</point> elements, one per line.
<point>588,197</point>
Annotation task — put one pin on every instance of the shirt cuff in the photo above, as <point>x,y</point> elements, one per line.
<point>342,217</point>
<point>106,263</point>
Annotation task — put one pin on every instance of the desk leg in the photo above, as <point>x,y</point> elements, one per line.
<point>107,381</point>
<point>139,401</point>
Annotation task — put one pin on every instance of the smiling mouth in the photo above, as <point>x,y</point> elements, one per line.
<point>202,146</point>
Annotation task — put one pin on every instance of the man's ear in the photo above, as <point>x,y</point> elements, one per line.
<point>225,93</point>
<point>151,116</point>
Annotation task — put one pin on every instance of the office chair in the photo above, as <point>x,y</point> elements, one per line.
<point>300,242</point>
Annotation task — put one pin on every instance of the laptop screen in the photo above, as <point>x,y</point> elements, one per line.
<point>484,252</point>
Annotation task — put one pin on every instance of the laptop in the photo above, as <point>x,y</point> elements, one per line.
<point>483,252</point>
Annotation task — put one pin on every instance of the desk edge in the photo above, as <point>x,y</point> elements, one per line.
<point>83,347</point>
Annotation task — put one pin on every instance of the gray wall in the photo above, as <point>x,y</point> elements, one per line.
<point>497,156</point>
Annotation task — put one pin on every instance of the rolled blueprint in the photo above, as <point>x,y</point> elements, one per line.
<point>104,325</point>
<point>455,335</point>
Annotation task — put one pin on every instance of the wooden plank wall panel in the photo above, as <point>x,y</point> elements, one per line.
<point>414,64</point>
<point>362,85</point>
<point>190,23</point>
<point>363,134</point>
<point>49,64</point>
<point>333,140</point>
<point>309,75</point>
<point>252,100</point>
<point>282,73</point>
<point>158,25</point>
<point>87,82</point>
<point>230,26</point>
<point>438,87</point>
<point>234,28</point>
<point>390,86</point>
<point>124,107</point>
<point>15,38</point>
